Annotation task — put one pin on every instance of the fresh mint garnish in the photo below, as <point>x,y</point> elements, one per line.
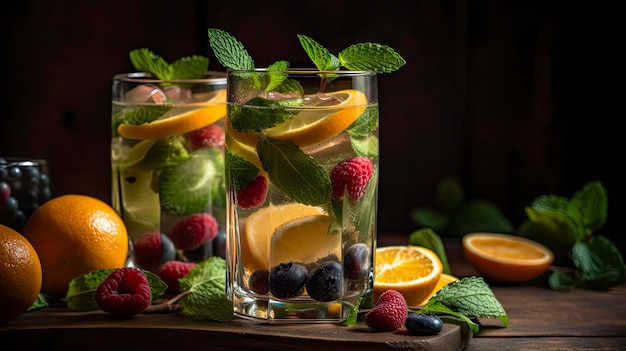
<point>296,174</point>
<point>256,119</point>
<point>323,59</point>
<point>206,296</point>
<point>467,298</point>
<point>242,171</point>
<point>139,115</point>
<point>165,152</point>
<point>190,67</point>
<point>81,293</point>
<point>229,51</point>
<point>427,238</point>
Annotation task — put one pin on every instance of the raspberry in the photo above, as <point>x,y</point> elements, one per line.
<point>352,175</point>
<point>389,313</point>
<point>151,250</point>
<point>171,271</point>
<point>211,136</point>
<point>253,194</point>
<point>124,293</point>
<point>192,231</point>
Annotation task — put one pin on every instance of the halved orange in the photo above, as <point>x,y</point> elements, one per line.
<point>260,228</point>
<point>312,126</point>
<point>178,120</point>
<point>444,280</point>
<point>506,258</point>
<point>414,271</point>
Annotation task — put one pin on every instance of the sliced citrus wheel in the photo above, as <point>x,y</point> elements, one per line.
<point>246,151</point>
<point>178,120</point>
<point>414,271</point>
<point>506,258</point>
<point>262,225</point>
<point>322,121</point>
<point>444,280</point>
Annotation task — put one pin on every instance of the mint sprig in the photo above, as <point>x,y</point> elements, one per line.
<point>191,67</point>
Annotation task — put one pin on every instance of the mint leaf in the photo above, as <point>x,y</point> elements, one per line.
<point>139,115</point>
<point>229,51</point>
<point>371,56</point>
<point>242,171</point>
<point>249,119</point>
<point>427,238</point>
<point>592,202</point>
<point>206,283</point>
<point>599,263</point>
<point>365,146</point>
<point>43,300</point>
<point>166,152</point>
<point>354,313</point>
<point>365,124</point>
<point>296,174</point>
<point>560,281</point>
<point>319,55</point>
<point>191,67</point>
<point>471,297</point>
<point>437,307</point>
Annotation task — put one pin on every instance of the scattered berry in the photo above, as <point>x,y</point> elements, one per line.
<point>124,293</point>
<point>211,136</point>
<point>389,313</point>
<point>325,282</point>
<point>253,194</point>
<point>171,271</point>
<point>153,249</point>
<point>287,280</point>
<point>258,281</point>
<point>357,261</point>
<point>423,324</point>
<point>192,231</point>
<point>351,175</point>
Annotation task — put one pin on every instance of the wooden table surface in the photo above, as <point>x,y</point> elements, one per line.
<point>539,319</point>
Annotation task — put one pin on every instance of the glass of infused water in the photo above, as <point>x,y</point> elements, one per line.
<point>167,162</point>
<point>301,175</point>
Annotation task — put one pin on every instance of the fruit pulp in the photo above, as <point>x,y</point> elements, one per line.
<point>162,172</point>
<point>291,225</point>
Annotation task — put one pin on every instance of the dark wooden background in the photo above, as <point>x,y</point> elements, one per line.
<point>514,98</point>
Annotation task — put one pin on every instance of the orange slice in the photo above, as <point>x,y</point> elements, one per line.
<point>414,271</point>
<point>444,280</point>
<point>312,126</point>
<point>259,228</point>
<point>178,120</point>
<point>506,258</point>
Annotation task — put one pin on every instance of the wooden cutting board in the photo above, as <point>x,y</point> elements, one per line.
<point>61,329</point>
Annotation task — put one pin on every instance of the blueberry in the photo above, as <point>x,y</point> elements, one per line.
<point>356,261</point>
<point>258,281</point>
<point>423,324</point>
<point>287,280</point>
<point>219,244</point>
<point>201,252</point>
<point>325,283</point>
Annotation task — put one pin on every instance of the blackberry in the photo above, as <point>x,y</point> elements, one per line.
<point>325,283</point>
<point>287,280</point>
<point>357,261</point>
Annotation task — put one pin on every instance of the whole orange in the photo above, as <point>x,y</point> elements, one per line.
<point>20,274</point>
<point>73,235</point>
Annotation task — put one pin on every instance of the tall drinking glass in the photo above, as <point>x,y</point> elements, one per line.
<point>301,176</point>
<point>167,161</point>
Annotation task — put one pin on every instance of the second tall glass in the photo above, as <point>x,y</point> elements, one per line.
<point>302,175</point>
<point>167,160</point>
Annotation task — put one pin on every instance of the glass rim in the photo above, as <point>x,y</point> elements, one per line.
<point>211,77</point>
<point>12,161</point>
<point>305,71</point>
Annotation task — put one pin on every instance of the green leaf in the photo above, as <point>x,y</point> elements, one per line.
<point>599,263</point>
<point>371,56</point>
<point>145,60</point>
<point>470,296</point>
<point>206,283</point>
<point>319,55</point>
<point>241,171</point>
<point>592,202</point>
<point>365,124</point>
<point>449,196</point>
<point>249,119</point>
<point>166,152</point>
<point>275,76</point>
<point>365,146</point>
<point>191,67</point>
<point>560,281</point>
<point>43,300</point>
<point>427,238</point>
<point>229,51</point>
<point>296,174</point>
<point>431,218</point>
<point>437,307</point>
<point>354,313</point>
<point>139,115</point>
<point>480,215</point>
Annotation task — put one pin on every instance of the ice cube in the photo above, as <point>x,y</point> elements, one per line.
<point>146,93</point>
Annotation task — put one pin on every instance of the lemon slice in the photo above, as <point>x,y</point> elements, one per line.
<point>246,151</point>
<point>259,228</point>
<point>321,122</point>
<point>414,271</point>
<point>303,240</point>
<point>185,120</point>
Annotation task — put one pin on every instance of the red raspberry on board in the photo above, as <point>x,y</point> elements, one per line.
<point>253,194</point>
<point>351,175</point>
<point>192,231</point>
<point>171,271</point>
<point>211,136</point>
<point>389,313</point>
<point>151,250</point>
<point>124,293</point>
